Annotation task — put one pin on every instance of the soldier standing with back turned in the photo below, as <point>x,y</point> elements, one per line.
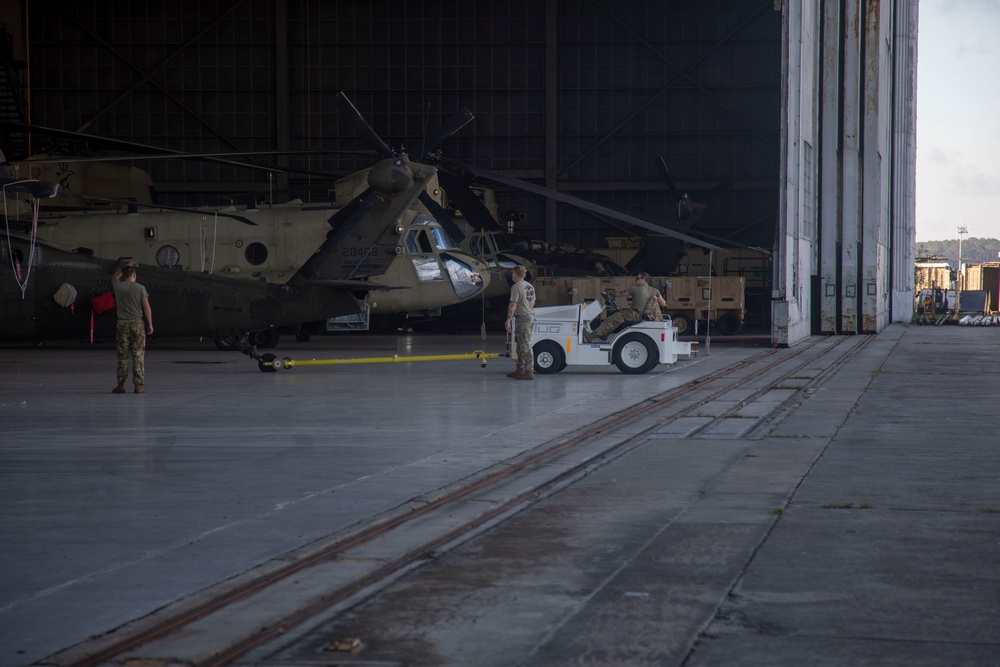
<point>132,302</point>
<point>521,310</point>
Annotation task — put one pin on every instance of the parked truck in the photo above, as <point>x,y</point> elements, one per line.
<point>716,300</point>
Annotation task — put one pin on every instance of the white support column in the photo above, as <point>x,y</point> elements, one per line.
<point>851,170</point>
<point>876,159</point>
<point>830,171</point>
<point>797,260</point>
<point>904,171</point>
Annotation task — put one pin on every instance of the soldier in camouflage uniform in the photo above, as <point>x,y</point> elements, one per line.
<point>132,303</point>
<point>521,310</point>
<point>646,303</point>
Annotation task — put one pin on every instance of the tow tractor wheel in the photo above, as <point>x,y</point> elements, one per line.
<point>549,357</point>
<point>634,354</point>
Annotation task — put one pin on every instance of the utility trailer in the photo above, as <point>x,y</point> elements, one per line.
<point>558,341</point>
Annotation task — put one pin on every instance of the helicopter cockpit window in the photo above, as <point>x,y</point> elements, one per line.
<point>423,223</point>
<point>476,245</point>
<point>256,253</point>
<point>427,269</point>
<point>501,242</point>
<point>465,281</point>
<point>411,242</point>
<point>442,240</point>
<point>417,242</point>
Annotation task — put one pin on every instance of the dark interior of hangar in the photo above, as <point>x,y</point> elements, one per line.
<point>579,97</point>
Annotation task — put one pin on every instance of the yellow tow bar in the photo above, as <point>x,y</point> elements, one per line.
<point>269,363</point>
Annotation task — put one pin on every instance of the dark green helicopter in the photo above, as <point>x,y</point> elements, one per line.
<point>46,292</point>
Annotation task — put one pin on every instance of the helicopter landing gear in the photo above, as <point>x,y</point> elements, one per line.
<point>265,338</point>
<point>227,343</point>
<point>266,363</point>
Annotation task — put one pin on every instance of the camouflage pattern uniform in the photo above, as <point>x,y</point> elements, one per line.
<point>615,320</point>
<point>130,341</point>
<point>130,331</point>
<point>524,325</point>
<point>651,312</point>
<point>523,295</point>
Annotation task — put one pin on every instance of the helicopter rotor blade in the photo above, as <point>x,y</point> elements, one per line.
<point>193,211</point>
<point>362,127</point>
<point>469,204</point>
<point>147,152</point>
<point>193,156</point>
<point>585,205</point>
<point>368,133</point>
<point>96,141</point>
<point>661,166</point>
<point>448,128</point>
<point>37,189</point>
<point>443,217</point>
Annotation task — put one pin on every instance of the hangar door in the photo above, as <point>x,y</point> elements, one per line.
<point>846,231</point>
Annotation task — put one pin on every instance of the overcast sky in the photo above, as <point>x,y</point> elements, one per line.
<point>958,119</point>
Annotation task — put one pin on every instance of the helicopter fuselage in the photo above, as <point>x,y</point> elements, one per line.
<point>417,256</point>
<point>184,303</point>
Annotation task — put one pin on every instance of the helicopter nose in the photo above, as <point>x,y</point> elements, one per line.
<point>466,280</point>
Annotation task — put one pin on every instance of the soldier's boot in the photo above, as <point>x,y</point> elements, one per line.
<point>517,373</point>
<point>527,375</point>
<point>139,389</point>
<point>120,389</point>
<point>588,335</point>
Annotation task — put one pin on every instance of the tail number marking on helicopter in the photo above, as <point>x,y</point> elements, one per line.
<point>360,251</point>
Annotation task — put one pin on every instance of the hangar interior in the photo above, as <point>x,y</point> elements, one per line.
<point>792,123</point>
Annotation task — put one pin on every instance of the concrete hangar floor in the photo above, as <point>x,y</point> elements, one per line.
<point>835,503</point>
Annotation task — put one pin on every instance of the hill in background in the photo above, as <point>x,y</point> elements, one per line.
<point>974,250</point>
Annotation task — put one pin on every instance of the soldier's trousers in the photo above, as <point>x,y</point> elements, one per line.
<point>130,342</point>
<point>523,328</point>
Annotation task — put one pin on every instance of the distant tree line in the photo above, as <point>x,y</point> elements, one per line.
<point>974,250</point>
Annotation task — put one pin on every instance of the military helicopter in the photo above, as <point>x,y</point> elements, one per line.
<point>469,213</point>
<point>330,283</point>
<point>483,239</point>
<point>273,242</point>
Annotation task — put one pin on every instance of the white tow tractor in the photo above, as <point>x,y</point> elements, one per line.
<point>558,341</point>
